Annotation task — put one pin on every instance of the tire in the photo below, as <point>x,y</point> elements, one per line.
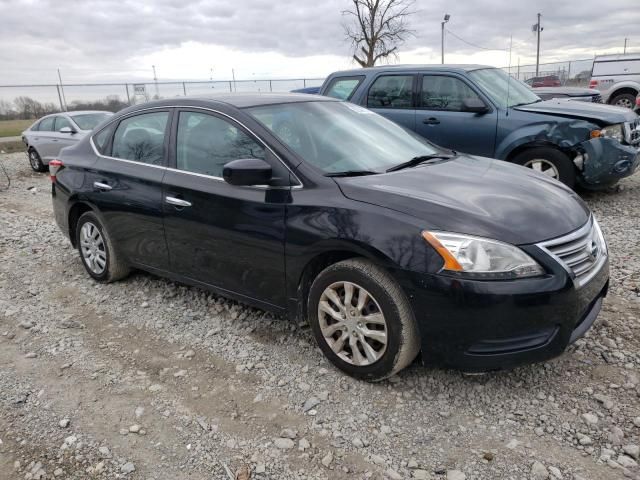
<point>111,267</point>
<point>35,161</point>
<point>626,100</point>
<point>383,296</point>
<point>550,160</point>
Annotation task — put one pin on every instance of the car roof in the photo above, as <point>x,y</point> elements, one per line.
<point>451,67</point>
<point>238,100</point>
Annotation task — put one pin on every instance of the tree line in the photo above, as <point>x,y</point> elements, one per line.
<point>24,108</point>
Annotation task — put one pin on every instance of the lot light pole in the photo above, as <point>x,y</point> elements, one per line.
<point>446,19</point>
<point>538,28</point>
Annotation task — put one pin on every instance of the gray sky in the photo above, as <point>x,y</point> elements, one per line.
<point>108,40</point>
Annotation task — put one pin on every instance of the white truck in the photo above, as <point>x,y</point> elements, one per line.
<point>618,78</point>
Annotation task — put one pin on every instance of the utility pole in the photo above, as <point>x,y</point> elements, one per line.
<point>446,19</point>
<point>64,100</point>
<point>625,46</point>
<point>155,80</point>
<point>538,28</point>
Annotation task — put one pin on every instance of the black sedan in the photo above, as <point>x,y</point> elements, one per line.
<point>322,210</point>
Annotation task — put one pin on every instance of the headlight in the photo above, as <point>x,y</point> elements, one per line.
<point>482,258</point>
<point>614,131</point>
<point>599,237</point>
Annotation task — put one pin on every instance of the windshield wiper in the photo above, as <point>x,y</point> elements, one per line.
<point>421,159</point>
<point>351,173</point>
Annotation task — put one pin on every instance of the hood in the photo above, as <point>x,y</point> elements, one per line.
<point>570,91</point>
<point>607,114</point>
<point>477,196</point>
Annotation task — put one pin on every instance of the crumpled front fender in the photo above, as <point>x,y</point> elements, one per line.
<point>606,160</point>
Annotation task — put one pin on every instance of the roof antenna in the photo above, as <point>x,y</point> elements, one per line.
<point>509,75</point>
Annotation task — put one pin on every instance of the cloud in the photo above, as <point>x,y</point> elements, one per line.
<point>108,40</point>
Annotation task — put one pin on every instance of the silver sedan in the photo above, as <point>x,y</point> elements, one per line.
<point>46,137</point>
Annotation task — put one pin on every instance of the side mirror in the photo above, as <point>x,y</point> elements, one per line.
<point>246,172</point>
<point>67,130</point>
<point>474,105</point>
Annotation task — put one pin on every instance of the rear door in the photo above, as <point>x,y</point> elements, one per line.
<point>126,185</point>
<point>219,234</point>
<point>441,118</point>
<point>392,96</point>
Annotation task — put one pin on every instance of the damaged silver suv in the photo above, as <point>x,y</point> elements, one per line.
<point>483,111</point>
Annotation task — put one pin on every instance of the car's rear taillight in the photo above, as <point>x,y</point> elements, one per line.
<point>638,100</point>
<point>593,83</point>
<point>54,168</point>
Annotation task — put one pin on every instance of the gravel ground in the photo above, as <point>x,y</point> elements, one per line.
<point>148,379</point>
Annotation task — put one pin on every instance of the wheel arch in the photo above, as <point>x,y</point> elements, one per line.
<point>622,90</point>
<point>75,212</point>
<point>535,144</point>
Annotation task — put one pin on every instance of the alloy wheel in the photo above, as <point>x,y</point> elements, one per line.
<point>34,160</point>
<point>93,248</point>
<point>352,323</point>
<point>543,166</point>
<point>624,102</point>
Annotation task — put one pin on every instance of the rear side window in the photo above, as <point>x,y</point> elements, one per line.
<point>141,138</point>
<point>62,122</point>
<point>46,124</point>
<point>206,143</point>
<point>101,139</point>
<point>391,91</point>
<point>343,88</point>
<point>441,92</point>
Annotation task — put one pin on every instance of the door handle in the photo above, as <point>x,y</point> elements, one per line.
<point>178,202</point>
<point>102,186</point>
<point>431,121</point>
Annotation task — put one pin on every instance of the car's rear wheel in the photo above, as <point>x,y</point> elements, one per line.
<point>99,257</point>
<point>626,100</point>
<point>35,161</point>
<point>550,162</point>
<point>362,320</point>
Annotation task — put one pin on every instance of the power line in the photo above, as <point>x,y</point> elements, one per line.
<point>475,45</point>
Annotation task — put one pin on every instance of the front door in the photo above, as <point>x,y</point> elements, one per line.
<point>441,118</point>
<point>64,139</point>
<point>226,236</point>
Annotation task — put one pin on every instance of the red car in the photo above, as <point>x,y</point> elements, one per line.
<point>637,109</point>
<point>546,81</point>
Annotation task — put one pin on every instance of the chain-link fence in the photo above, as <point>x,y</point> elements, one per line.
<point>575,73</point>
<point>31,101</point>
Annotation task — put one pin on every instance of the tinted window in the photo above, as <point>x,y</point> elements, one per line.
<point>101,139</point>
<point>206,143</point>
<point>343,88</point>
<point>89,121</point>
<point>62,122</point>
<point>46,125</point>
<point>444,93</point>
<point>141,138</point>
<point>391,91</point>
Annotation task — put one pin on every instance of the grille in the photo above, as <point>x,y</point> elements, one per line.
<point>632,132</point>
<point>596,99</point>
<point>581,252</point>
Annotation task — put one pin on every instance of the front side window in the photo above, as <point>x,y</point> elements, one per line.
<point>46,124</point>
<point>62,122</point>
<point>441,92</point>
<point>391,91</point>
<point>343,88</point>
<point>141,138</point>
<point>339,136</point>
<point>205,143</point>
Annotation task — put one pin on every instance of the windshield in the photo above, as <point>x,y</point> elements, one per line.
<point>493,82</point>
<point>340,136</point>
<point>88,121</point>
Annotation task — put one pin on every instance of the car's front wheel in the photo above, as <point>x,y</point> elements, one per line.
<point>550,162</point>
<point>35,161</point>
<point>362,320</point>
<point>99,256</point>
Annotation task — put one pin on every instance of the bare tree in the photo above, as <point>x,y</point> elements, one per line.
<point>377,28</point>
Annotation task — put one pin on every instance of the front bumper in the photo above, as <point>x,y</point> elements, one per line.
<point>605,161</point>
<point>479,326</point>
